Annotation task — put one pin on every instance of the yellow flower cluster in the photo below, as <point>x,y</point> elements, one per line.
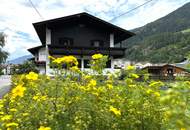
<point>115,111</point>
<point>39,98</point>
<point>92,82</point>
<point>97,56</point>
<point>18,91</point>
<point>156,83</point>
<point>32,76</point>
<point>69,60</point>
<point>150,91</point>
<point>12,124</point>
<point>51,57</point>
<point>135,76</point>
<point>86,100</point>
<point>129,67</point>
<point>75,69</point>
<point>6,117</point>
<point>44,128</point>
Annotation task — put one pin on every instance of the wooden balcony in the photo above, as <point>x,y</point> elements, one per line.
<point>40,63</point>
<point>74,50</point>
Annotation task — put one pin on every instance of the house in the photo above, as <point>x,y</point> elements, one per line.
<point>6,68</point>
<point>81,35</point>
<point>165,71</point>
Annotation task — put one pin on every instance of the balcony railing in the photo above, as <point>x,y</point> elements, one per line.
<point>76,50</point>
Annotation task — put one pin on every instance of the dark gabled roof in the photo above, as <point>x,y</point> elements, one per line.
<point>120,34</point>
<point>35,49</point>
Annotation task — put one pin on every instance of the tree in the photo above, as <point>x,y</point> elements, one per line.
<point>26,67</point>
<point>3,54</point>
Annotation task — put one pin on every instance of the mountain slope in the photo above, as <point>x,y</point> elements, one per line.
<point>164,40</point>
<point>20,60</point>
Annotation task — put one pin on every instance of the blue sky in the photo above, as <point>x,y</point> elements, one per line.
<point>17,16</point>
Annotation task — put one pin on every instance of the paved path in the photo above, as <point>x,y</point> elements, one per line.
<point>5,84</point>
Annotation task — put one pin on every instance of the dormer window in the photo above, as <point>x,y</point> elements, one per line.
<point>97,43</point>
<point>65,41</point>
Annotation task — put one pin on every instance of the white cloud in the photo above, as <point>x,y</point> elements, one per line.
<point>148,13</point>
<point>16,17</point>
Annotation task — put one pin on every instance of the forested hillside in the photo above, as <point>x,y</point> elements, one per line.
<point>166,40</point>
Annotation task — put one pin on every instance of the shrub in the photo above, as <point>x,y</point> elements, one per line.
<point>67,102</point>
<point>24,68</point>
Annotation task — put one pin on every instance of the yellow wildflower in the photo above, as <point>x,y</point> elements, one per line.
<point>110,86</point>
<point>58,60</point>
<point>25,114</point>
<point>97,56</point>
<point>39,98</point>
<point>86,77</point>
<point>6,117</point>
<point>149,91</point>
<point>92,82</point>
<point>12,124</point>
<point>183,129</point>
<point>115,111</point>
<point>35,97</point>
<point>18,91</point>
<point>1,106</point>
<point>13,110</point>
<point>32,76</point>
<point>156,83</point>
<point>129,67</point>
<point>70,60</point>
<point>134,76</point>
<point>51,57</point>
<point>157,94</point>
<point>75,69</point>
<point>44,128</point>
<point>95,93</point>
<point>1,113</point>
<point>48,78</point>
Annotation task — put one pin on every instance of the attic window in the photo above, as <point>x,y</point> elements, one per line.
<point>65,41</point>
<point>97,43</point>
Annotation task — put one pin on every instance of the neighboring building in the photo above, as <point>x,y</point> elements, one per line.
<point>166,71</point>
<point>81,35</point>
<point>7,69</point>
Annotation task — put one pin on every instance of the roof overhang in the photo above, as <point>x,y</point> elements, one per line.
<point>34,50</point>
<point>120,34</point>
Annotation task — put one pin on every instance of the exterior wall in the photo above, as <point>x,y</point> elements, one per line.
<point>42,54</point>
<point>48,71</point>
<point>36,56</point>
<point>178,70</point>
<point>82,35</point>
<point>42,69</point>
<point>111,40</point>
<point>48,36</point>
<point>175,70</point>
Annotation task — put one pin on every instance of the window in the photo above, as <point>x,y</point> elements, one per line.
<point>97,43</point>
<point>108,64</point>
<point>86,63</point>
<point>79,63</point>
<point>66,41</point>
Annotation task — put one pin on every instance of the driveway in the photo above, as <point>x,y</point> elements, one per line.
<point>5,84</point>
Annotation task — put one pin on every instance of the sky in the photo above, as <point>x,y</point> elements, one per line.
<point>17,16</point>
